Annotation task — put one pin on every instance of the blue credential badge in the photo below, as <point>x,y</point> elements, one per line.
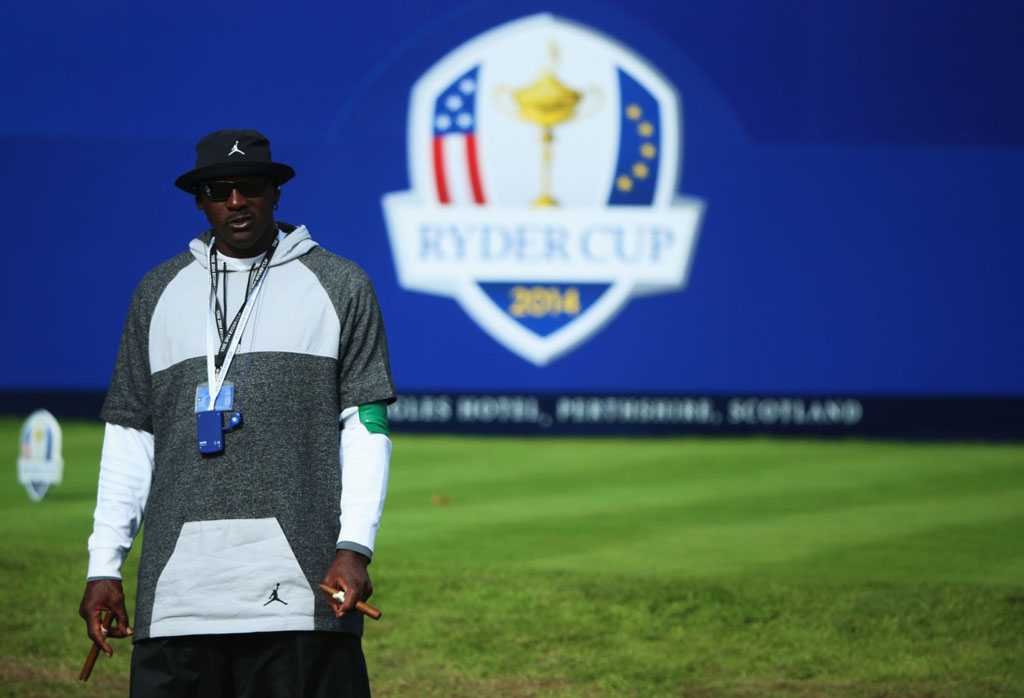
<point>210,422</point>
<point>225,398</point>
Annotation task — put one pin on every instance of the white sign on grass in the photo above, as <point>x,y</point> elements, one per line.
<point>39,462</point>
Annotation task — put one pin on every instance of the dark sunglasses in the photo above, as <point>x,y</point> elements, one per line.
<point>250,188</point>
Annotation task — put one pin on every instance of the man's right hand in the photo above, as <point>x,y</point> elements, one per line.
<point>104,595</point>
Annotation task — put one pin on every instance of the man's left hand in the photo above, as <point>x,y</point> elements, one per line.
<point>348,573</point>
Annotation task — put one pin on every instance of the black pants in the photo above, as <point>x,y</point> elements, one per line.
<point>274,665</point>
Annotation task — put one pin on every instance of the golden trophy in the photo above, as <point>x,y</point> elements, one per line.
<point>546,102</point>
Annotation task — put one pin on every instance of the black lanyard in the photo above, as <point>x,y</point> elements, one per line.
<point>227,334</point>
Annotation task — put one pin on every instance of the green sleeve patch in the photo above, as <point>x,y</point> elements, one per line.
<point>374,416</point>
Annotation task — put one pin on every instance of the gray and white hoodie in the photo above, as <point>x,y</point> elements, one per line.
<point>237,542</point>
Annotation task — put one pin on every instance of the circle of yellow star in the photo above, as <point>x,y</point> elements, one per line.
<point>640,170</point>
<point>624,183</point>
<point>645,129</point>
<point>633,111</point>
<point>648,151</point>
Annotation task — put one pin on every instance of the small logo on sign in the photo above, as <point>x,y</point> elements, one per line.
<point>544,160</point>
<point>40,464</point>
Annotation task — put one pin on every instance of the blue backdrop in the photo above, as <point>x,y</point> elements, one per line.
<point>861,163</point>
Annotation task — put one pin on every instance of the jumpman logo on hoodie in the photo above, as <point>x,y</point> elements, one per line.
<point>275,597</point>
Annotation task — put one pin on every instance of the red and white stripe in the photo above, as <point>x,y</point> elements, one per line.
<point>457,169</point>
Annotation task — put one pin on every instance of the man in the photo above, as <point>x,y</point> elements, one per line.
<point>246,419</point>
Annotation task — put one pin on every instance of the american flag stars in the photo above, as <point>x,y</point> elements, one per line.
<point>454,111</point>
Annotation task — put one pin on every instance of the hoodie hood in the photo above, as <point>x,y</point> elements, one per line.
<point>296,243</point>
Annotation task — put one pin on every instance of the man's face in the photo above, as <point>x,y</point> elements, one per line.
<point>242,225</point>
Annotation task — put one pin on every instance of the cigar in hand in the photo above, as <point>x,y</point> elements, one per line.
<point>95,651</point>
<point>360,606</point>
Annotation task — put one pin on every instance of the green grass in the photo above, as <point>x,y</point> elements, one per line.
<point>654,567</point>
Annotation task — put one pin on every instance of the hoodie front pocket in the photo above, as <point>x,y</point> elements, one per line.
<point>231,576</point>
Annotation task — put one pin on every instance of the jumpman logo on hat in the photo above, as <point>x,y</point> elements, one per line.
<point>236,149</point>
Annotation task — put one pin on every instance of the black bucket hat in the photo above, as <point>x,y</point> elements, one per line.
<point>232,152</point>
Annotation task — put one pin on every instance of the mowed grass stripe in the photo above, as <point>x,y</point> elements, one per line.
<point>442,459</point>
<point>675,544</point>
<point>986,553</point>
<point>507,470</point>
<point>666,538</point>
<point>713,500</point>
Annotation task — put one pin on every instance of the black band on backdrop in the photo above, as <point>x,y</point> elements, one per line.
<point>906,417</point>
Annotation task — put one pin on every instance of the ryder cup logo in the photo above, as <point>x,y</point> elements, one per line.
<point>40,463</point>
<point>544,160</point>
